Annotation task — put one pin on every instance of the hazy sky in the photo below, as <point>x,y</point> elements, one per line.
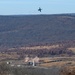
<point>11,7</point>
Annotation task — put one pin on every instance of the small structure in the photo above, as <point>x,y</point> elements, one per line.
<point>27,59</point>
<point>32,61</point>
<point>36,59</point>
<point>9,62</point>
<point>18,65</point>
<point>12,65</point>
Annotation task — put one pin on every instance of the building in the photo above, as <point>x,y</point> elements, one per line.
<point>32,61</point>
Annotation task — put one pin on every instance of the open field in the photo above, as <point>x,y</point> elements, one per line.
<point>46,66</point>
<point>5,56</point>
<point>48,61</point>
<point>72,49</point>
<point>58,61</point>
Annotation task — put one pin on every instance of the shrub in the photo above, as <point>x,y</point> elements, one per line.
<point>67,71</point>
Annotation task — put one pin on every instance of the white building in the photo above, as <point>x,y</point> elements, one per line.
<point>32,61</point>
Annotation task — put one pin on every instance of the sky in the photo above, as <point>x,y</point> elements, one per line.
<point>21,7</point>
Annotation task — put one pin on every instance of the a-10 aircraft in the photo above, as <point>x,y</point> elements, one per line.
<point>39,9</point>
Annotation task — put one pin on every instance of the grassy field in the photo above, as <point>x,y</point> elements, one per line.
<point>6,70</point>
<point>72,49</point>
<point>57,61</point>
<point>47,66</point>
<point>5,56</point>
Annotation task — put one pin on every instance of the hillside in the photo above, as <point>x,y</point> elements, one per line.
<point>36,29</point>
<point>41,35</point>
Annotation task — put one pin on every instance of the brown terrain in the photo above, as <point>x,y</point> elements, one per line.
<point>50,37</point>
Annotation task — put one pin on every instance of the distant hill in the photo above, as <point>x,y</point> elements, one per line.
<point>24,30</point>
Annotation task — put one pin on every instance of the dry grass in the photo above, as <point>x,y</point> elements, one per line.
<point>36,47</point>
<point>72,49</point>
<point>40,47</point>
<point>57,61</point>
<point>8,56</point>
<point>59,64</point>
<point>69,70</point>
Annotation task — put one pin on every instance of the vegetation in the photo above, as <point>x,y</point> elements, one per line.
<point>37,30</point>
<point>68,71</point>
<point>24,30</point>
<point>4,69</point>
<point>45,52</point>
<point>7,70</point>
